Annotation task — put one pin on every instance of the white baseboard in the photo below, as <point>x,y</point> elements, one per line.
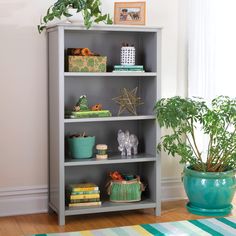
<point>172,189</point>
<point>30,200</point>
<point>23,200</point>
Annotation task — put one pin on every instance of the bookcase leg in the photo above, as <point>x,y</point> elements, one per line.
<point>157,211</point>
<point>61,220</point>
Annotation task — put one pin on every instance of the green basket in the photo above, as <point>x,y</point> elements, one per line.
<point>125,191</point>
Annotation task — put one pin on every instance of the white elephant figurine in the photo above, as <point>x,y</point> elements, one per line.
<point>127,143</point>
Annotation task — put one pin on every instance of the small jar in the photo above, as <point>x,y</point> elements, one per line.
<point>101,151</point>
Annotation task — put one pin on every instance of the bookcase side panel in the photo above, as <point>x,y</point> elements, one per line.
<point>56,121</point>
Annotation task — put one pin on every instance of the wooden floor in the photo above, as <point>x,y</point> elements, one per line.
<point>44,223</point>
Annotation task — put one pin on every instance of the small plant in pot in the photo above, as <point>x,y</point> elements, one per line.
<point>81,146</point>
<point>90,10</point>
<point>209,175</point>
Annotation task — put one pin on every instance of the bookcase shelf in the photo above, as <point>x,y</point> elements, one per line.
<point>66,87</point>
<point>113,159</point>
<point>110,74</point>
<point>110,207</point>
<point>113,118</point>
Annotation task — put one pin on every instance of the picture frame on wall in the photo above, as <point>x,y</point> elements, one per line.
<point>130,13</point>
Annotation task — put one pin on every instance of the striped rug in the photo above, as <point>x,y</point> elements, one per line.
<point>204,227</point>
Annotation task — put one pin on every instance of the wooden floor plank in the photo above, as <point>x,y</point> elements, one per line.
<point>45,223</point>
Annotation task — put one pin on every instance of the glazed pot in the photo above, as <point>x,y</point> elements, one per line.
<point>81,147</point>
<point>209,193</point>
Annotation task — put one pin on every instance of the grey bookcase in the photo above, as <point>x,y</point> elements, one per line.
<point>66,87</point>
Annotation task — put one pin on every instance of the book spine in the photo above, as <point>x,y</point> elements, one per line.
<point>85,204</point>
<point>84,189</point>
<point>85,200</point>
<point>128,70</point>
<point>84,196</point>
<point>85,192</point>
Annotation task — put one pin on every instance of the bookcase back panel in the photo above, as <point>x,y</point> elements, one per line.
<point>100,176</point>
<point>103,89</point>
<point>106,132</point>
<point>109,44</point>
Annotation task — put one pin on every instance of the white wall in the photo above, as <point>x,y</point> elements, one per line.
<point>23,84</point>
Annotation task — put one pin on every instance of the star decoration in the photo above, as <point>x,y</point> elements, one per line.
<point>128,100</point>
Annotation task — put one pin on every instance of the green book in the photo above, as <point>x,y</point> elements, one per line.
<point>128,67</point>
<point>85,200</point>
<point>128,70</point>
<point>90,114</point>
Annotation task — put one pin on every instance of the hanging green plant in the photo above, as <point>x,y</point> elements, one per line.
<point>90,9</point>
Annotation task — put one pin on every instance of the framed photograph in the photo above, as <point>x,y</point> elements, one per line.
<point>130,13</point>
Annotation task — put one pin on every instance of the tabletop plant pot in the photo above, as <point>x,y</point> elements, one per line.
<point>76,17</point>
<point>209,193</point>
<point>78,11</point>
<point>81,147</point>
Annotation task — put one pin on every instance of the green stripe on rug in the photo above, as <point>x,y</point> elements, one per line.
<point>206,228</point>
<point>227,222</point>
<point>152,230</point>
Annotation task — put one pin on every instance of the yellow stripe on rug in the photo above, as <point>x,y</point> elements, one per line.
<point>141,230</point>
<point>86,233</point>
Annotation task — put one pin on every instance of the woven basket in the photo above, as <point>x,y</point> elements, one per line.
<point>125,191</point>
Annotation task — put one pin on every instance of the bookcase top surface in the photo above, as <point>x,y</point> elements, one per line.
<point>69,26</point>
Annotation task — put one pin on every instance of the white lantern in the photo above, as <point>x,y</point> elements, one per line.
<point>128,56</point>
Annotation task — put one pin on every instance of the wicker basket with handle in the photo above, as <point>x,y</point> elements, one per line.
<point>125,190</point>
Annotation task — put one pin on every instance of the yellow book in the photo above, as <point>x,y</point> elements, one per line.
<point>84,196</point>
<point>83,187</point>
<point>84,204</point>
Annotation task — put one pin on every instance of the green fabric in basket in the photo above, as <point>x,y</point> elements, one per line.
<point>125,192</point>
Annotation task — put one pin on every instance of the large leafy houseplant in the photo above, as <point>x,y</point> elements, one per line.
<point>90,9</point>
<point>218,122</point>
<point>209,175</point>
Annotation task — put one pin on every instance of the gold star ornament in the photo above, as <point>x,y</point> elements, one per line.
<point>128,100</point>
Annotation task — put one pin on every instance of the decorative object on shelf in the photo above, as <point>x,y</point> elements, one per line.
<point>124,190</point>
<point>209,174</point>
<point>90,10</point>
<point>81,146</point>
<point>127,55</point>
<point>128,68</point>
<point>82,104</point>
<point>96,107</point>
<point>101,151</point>
<point>128,100</point>
<point>130,13</point>
<point>81,195</point>
<point>127,142</point>
<point>83,60</point>
<point>81,110</point>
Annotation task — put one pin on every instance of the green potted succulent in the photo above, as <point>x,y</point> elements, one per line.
<point>209,175</point>
<point>90,10</point>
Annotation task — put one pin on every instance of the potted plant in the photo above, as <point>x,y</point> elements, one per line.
<point>209,175</point>
<point>90,9</point>
<point>81,146</point>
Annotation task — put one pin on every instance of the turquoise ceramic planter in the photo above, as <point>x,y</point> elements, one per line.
<point>81,147</point>
<point>210,194</point>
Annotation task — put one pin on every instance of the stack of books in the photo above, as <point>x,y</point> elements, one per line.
<point>128,68</point>
<point>83,195</point>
